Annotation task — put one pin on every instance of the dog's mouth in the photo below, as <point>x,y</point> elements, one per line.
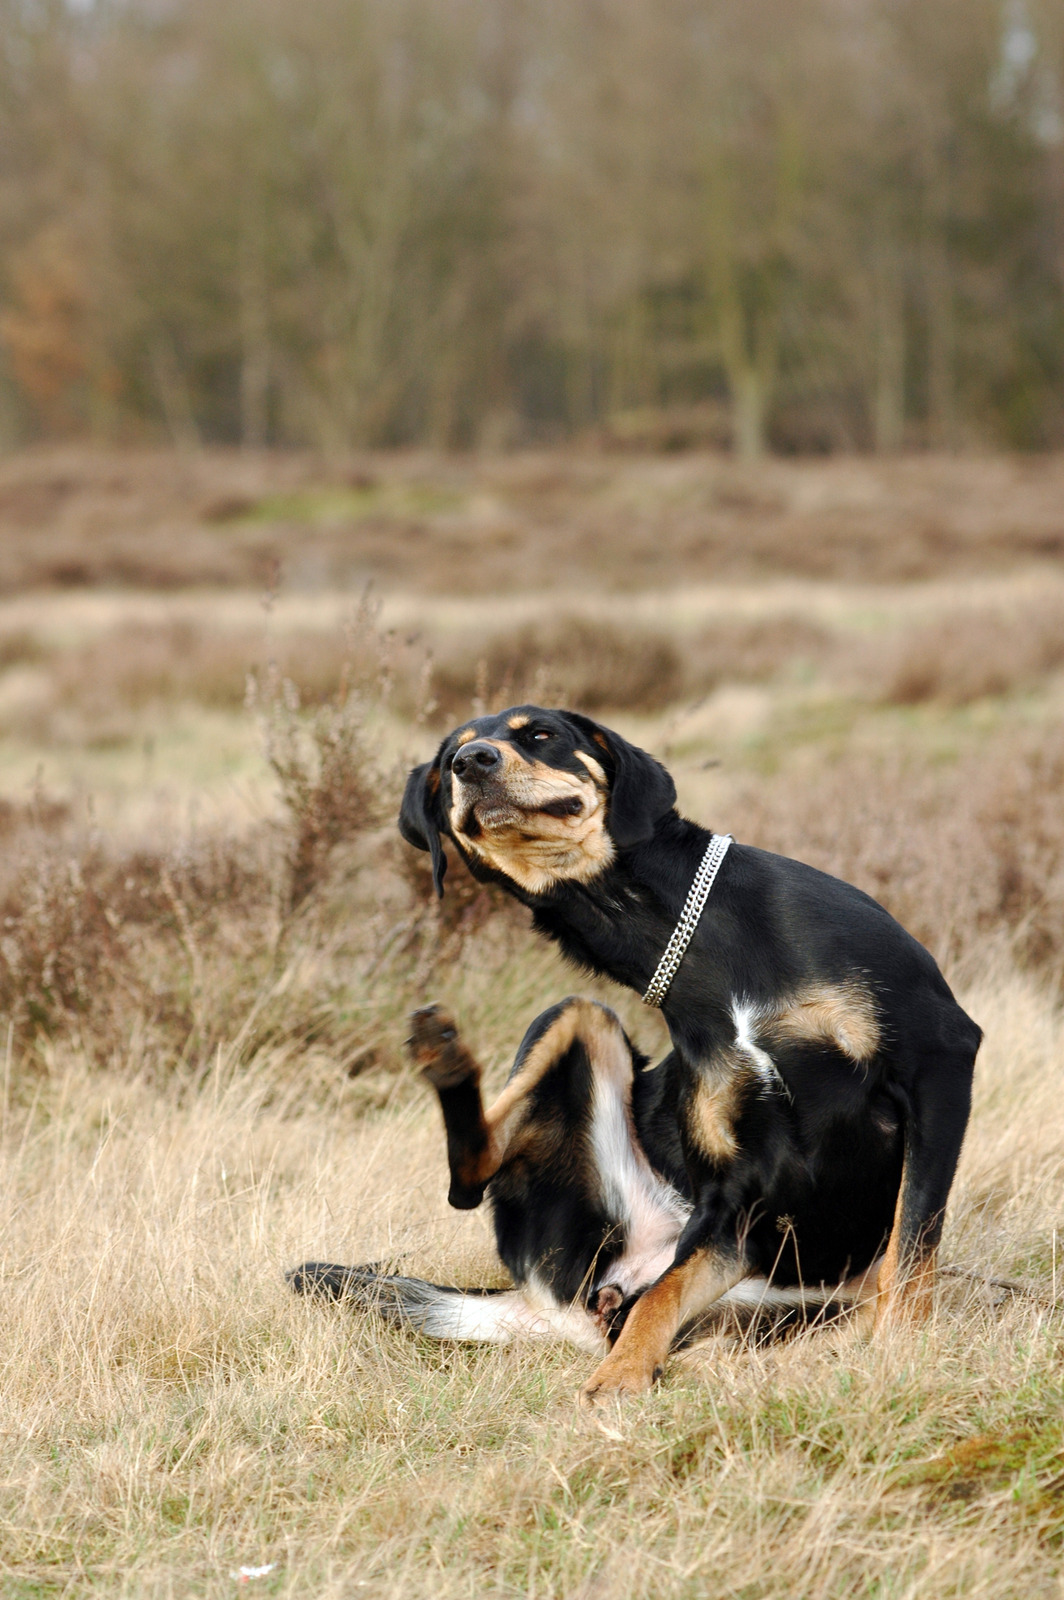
<point>491,812</point>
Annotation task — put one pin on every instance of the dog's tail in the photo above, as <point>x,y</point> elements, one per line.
<point>483,1316</point>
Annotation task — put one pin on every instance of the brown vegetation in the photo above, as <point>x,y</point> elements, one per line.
<point>202,1078</point>
<point>963,853</point>
<point>958,659</point>
<point>528,523</point>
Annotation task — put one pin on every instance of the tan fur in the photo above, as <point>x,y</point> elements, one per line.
<point>715,1106</point>
<point>534,849</point>
<point>904,1296</point>
<point>514,723</point>
<point>593,767</point>
<point>840,1014</point>
<point>646,1338</point>
<point>467,734</point>
<point>584,1019</point>
<point>446,1062</point>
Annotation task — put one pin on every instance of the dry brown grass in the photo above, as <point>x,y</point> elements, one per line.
<point>170,1413</point>
<point>203,1079</point>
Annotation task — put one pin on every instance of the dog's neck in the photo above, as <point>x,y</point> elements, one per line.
<point>619,922</point>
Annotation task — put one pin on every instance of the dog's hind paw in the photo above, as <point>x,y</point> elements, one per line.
<point>437,1051</point>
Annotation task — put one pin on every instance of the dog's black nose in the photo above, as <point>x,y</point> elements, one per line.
<point>476,760</point>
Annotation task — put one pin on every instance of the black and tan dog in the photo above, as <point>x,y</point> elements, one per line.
<point>799,1141</point>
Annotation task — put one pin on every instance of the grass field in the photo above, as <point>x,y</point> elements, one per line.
<point>211,936</point>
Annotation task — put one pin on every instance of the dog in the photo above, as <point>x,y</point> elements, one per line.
<point>795,1147</point>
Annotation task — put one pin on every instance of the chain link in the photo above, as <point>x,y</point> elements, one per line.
<point>693,908</point>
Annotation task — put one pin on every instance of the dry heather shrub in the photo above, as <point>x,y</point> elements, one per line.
<point>443,926</point>
<point>958,853</point>
<point>18,646</point>
<point>600,666</point>
<point>60,950</point>
<point>329,782</point>
<point>95,937</point>
<point>753,651</point>
<point>140,664</point>
<point>291,933</point>
<point>962,658</point>
<point>587,663</point>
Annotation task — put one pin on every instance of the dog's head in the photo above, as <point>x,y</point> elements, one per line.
<point>536,797</point>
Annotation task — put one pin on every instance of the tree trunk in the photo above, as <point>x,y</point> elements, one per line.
<point>938,288</point>
<point>748,413</point>
<point>888,412</point>
<point>254,334</point>
<point>174,396</point>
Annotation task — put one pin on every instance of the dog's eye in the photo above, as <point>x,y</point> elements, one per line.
<point>541,733</point>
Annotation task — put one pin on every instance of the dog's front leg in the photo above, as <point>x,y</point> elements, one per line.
<point>683,1292</point>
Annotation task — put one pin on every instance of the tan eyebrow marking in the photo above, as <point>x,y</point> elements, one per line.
<point>517,722</point>
<point>467,734</point>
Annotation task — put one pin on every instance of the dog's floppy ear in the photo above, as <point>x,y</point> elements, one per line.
<point>419,817</point>
<point>641,791</point>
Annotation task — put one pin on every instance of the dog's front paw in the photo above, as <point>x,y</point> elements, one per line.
<point>436,1049</point>
<point>617,1378</point>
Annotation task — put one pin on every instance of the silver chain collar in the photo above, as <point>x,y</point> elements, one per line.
<point>684,930</point>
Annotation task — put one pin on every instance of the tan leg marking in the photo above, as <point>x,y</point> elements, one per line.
<point>639,1355</point>
<point>445,1062</point>
<point>904,1297</point>
<point>860,1294</point>
<point>714,1106</point>
<point>581,1019</point>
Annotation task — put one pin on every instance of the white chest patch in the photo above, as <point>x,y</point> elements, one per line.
<point>746,1016</point>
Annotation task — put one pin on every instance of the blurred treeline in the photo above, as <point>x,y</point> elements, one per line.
<point>800,224</point>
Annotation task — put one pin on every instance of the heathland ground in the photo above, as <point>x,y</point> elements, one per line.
<point>212,934</point>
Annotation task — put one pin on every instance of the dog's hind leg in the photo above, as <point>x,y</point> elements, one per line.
<point>934,1131</point>
<point>578,1209</point>
<point>444,1062</point>
<point>479,1140</point>
<point>581,1221</point>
